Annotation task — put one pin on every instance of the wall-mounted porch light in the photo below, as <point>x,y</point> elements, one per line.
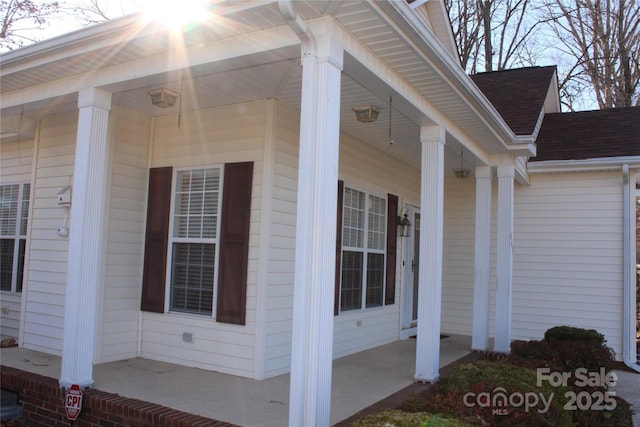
<point>163,97</point>
<point>366,113</point>
<point>405,224</point>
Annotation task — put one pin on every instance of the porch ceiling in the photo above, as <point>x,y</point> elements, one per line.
<point>272,74</point>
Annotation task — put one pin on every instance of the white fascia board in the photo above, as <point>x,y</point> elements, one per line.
<point>588,165</point>
<point>459,80</point>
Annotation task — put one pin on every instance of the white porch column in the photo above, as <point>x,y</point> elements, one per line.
<point>430,273</point>
<point>312,338</point>
<point>481,272</point>
<point>504,261</point>
<point>86,238</point>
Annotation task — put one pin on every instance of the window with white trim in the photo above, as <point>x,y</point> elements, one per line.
<point>363,250</point>
<point>14,217</point>
<point>194,240</point>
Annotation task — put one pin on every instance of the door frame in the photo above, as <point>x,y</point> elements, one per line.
<point>408,326</point>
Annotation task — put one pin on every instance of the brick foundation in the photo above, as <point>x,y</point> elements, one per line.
<point>43,405</point>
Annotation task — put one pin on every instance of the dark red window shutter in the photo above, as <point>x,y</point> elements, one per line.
<point>234,243</point>
<point>156,240</point>
<point>336,302</point>
<point>392,242</point>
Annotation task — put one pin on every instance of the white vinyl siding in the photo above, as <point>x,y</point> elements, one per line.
<point>125,238</point>
<point>567,265</point>
<point>16,160</point>
<point>48,252</point>
<point>458,255</point>
<point>281,254</point>
<point>211,137</point>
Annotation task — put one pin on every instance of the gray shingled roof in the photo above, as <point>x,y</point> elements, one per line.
<point>589,135</point>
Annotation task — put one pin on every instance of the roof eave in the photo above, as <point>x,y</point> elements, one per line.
<point>463,83</point>
<point>82,36</point>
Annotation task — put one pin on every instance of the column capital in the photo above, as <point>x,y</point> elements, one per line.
<point>92,97</point>
<point>483,172</point>
<point>327,46</point>
<point>431,134</point>
<point>506,171</point>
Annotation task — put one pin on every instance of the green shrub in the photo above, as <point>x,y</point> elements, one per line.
<point>573,334</point>
<point>398,418</point>
<point>535,354</point>
<point>579,348</point>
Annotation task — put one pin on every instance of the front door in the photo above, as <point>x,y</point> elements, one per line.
<point>411,251</point>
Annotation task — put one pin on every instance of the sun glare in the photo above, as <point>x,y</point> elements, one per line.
<point>174,14</point>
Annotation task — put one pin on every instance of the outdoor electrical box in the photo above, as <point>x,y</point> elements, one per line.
<point>64,197</point>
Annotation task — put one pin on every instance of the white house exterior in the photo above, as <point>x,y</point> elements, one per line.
<point>262,180</point>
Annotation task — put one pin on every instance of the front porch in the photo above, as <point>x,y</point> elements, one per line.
<point>359,381</point>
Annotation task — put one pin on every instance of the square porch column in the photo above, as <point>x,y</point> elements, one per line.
<point>86,238</point>
<point>312,336</point>
<point>430,272</point>
<point>504,261</point>
<point>482,259</point>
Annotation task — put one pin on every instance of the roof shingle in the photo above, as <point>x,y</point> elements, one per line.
<point>589,135</point>
<point>518,95</point>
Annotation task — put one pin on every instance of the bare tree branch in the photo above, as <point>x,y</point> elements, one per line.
<point>20,19</point>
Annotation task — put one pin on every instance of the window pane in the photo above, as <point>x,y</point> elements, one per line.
<point>9,209</point>
<point>375,279</point>
<point>196,203</point>
<point>25,209</point>
<point>351,286</point>
<point>192,277</point>
<point>377,223</point>
<point>353,218</point>
<point>6,263</point>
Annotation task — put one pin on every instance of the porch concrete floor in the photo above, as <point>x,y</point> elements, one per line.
<point>359,380</point>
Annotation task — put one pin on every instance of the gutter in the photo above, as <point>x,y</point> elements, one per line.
<point>629,297</point>
<point>587,165</point>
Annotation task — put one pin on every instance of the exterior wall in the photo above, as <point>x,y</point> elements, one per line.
<point>279,295</point>
<point>16,160</point>
<point>567,266</point>
<point>458,255</point>
<point>125,239</point>
<point>371,170</point>
<point>46,270</point>
<point>361,167</point>
<point>233,133</point>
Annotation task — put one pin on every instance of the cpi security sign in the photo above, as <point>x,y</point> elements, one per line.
<point>73,402</point>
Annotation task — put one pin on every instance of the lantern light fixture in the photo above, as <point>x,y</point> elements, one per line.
<point>404,223</point>
<point>163,97</point>
<point>366,113</point>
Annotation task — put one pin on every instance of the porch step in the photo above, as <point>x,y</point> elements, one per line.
<point>9,408</point>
